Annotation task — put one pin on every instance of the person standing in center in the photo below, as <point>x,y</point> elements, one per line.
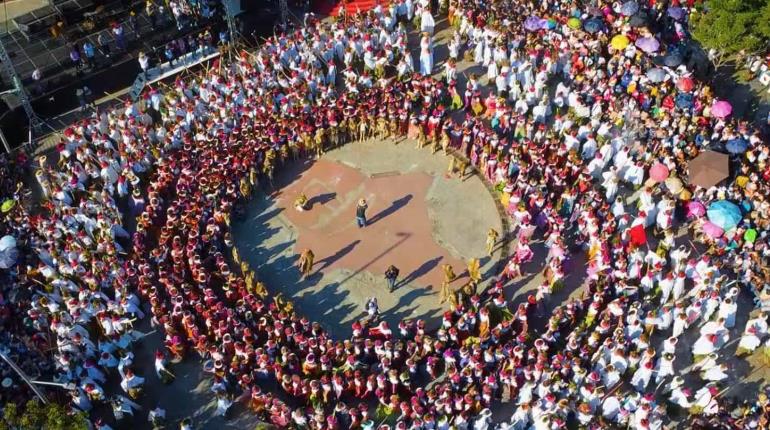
<point>391,275</point>
<point>361,213</point>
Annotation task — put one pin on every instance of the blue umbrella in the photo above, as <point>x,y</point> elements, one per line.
<point>656,74</point>
<point>532,23</point>
<point>593,25</point>
<point>725,214</point>
<point>629,8</point>
<point>684,100</point>
<point>676,12</point>
<point>672,59</point>
<point>639,20</point>
<point>737,146</point>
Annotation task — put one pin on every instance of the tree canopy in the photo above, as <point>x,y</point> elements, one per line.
<point>36,416</point>
<point>733,27</point>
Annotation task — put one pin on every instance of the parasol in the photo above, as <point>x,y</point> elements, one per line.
<point>750,235</point>
<point>619,42</point>
<point>658,172</point>
<point>708,169</point>
<point>647,44</point>
<point>673,59</point>
<point>8,252</point>
<point>725,214</point>
<point>721,109</point>
<point>712,230</point>
<point>685,84</point>
<point>737,146</point>
<point>676,12</point>
<point>629,8</point>
<point>684,101</point>
<point>639,20</point>
<point>532,23</point>
<point>695,209</point>
<point>7,205</point>
<point>573,23</point>
<point>656,74</point>
<point>593,26</point>
<point>674,185</point>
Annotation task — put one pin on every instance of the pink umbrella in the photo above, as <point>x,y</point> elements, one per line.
<point>721,109</point>
<point>712,230</point>
<point>658,172</point>
<point>685,84</point>
<point>695,209</point>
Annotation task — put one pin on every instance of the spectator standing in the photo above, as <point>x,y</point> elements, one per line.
<point>133,23</point>
<point>391,275</point>
<point>144,62</point>
<point>361,213</point>
<point>75,57</point>
<point>90,53</point>
<point>152,13</point>
<point>104,45</point>
<point>84,97</point>
<point>119,35</point>
<point>37,76</point>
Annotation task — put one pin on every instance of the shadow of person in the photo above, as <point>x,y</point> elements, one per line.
<point>328,261</point>
<point>321,199</point>
<point>396,205</point>
<point>422,270</point>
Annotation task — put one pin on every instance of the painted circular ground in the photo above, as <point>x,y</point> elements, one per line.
<point>418,220</point>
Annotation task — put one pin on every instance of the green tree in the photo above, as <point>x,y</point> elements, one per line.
<point>36,416</point>
<point>732,28</point>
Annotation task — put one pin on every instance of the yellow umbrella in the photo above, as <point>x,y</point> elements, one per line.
<point>619,42</point>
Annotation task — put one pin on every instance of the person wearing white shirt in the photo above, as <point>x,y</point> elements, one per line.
<point>727,310</point>
<point>756,329</point>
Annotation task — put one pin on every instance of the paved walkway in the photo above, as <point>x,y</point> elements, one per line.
<point>418,221</point>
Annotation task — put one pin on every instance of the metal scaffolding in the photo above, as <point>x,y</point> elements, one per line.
<point>35,123</point>
<point>284,8</point>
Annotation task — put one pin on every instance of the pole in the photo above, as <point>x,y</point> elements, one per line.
<point>24,377</point>
<point>5,142</point>
<point>67,386</point>
<point>284,8</point>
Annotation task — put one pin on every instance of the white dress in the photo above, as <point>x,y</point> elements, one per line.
<point>426,57</point>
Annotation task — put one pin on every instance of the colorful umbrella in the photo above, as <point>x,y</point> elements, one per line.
<point>593,26</point>
<point>721,109</point>
<point>708,168</point>
<point>629,8</point>
<point>676,12</point>
<point>658,172</point>
<point>672,59</point>
<point>656,74</point>
<point>712,230</point>
<point>639,20</point>
<point>532,23</point>
<point>619,42</point>
<point>674,185</point>
<point>573,23</point>
<point>684,101</point>
<point>726,215</point>
<point>647,44</point>
<point>737,146</point>
<point>685,84</point>
<point>8,252</point>
<point>695,209</point>
<point>7,205</point>
<point>750,235</point>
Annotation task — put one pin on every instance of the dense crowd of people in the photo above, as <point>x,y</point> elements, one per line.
<point>571,116</point>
